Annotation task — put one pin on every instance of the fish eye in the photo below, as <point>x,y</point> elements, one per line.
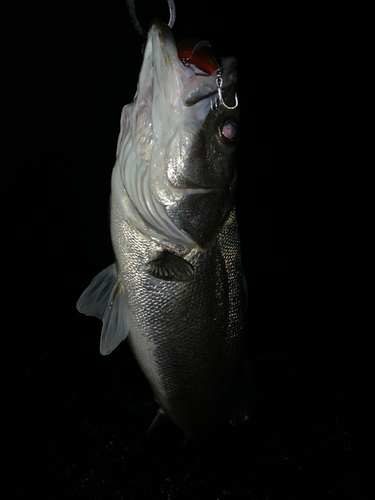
<point>228,132</point>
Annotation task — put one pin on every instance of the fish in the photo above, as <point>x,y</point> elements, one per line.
<point>177,290</point>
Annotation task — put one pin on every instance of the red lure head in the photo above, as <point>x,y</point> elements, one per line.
<point>197,52</point>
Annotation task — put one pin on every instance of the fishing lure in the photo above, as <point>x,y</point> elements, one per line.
<point>191,51</point>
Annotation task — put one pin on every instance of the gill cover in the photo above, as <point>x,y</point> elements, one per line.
<point>158,131</point>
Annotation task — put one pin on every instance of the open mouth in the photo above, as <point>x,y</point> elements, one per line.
<point>194,63</point>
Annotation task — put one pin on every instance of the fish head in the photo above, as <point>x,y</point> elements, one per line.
<point>176,147</point>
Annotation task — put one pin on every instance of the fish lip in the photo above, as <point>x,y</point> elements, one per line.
<point>165,36</point>
<point>195,85</point>
<point>158,29</point>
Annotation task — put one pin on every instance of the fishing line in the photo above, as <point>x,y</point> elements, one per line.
<point>138,27</point>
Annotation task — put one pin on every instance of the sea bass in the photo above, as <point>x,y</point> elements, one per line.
<point>176,290</point>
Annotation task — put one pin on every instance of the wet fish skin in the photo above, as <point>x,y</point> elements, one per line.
<point>176,290</point>
<point>187,337</point>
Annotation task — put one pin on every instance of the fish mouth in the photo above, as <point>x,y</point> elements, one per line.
<point>195,85</point>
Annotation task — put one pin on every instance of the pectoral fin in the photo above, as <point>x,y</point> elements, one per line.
<point>170,267</point>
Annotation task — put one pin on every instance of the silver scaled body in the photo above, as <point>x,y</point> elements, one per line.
<point>176,289</point>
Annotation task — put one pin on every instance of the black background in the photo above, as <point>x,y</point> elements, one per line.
<point>76,421</point>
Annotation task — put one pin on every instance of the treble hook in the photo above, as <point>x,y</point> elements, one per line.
<point>133,16</point>
<point>219,84</point>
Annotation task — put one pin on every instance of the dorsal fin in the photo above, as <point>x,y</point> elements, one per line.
<point>115,326</point>
<point>94,300</point>
<point>105,298</point>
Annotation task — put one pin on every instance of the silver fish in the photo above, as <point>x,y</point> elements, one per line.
<point>176,290</point>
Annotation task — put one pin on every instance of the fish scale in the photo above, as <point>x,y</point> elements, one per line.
<point>194,364</point>
<point>176,289</point>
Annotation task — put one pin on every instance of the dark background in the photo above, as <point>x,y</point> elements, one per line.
<point>76,421</point>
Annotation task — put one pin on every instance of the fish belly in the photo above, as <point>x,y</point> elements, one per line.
<point>187,337</point>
